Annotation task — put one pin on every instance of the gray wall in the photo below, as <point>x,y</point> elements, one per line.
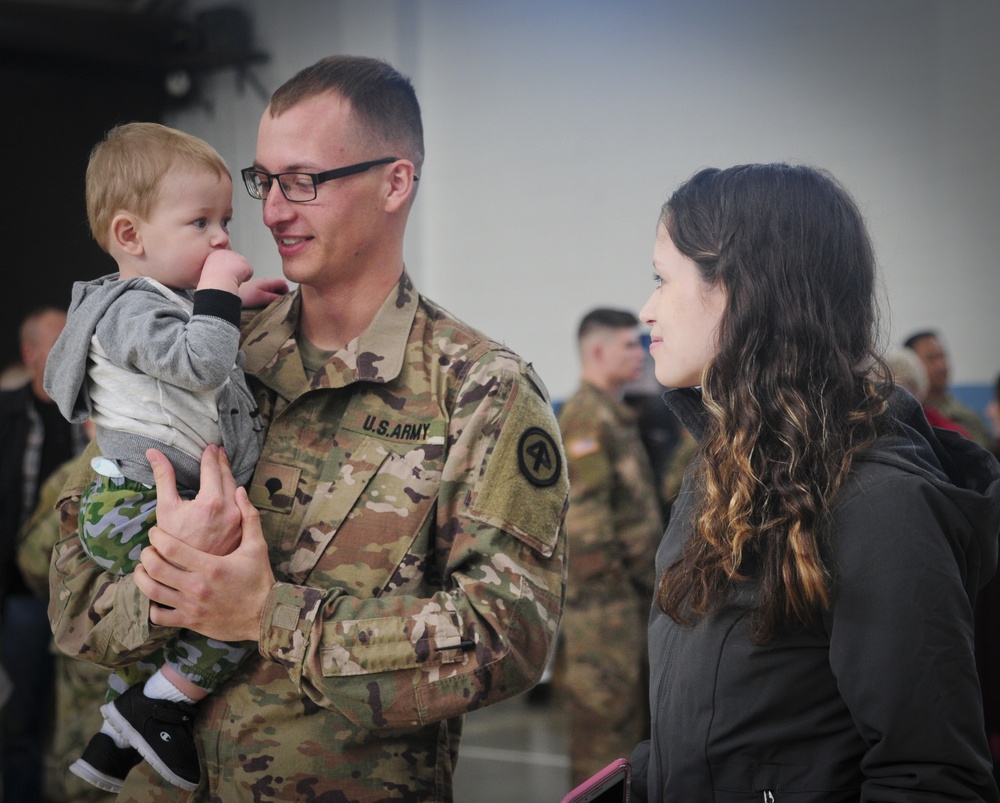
<point>556,129</point>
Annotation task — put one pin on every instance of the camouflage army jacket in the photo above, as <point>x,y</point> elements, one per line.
<point>614,517</point>
<point>412,495</point>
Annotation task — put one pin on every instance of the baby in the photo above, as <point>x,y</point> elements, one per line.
<point>151,356</point>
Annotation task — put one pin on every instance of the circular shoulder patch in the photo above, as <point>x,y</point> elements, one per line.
<point>538,457</point>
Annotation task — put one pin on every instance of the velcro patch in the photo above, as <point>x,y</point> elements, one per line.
<point>285,616</point>
<point>538,457</point>
<point>524,488</point>
<point>273,487</point>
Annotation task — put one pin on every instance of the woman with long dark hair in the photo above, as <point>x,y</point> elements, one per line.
<point>811,637</point>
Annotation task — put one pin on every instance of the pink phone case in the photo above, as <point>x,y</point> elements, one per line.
<point>610,785</point>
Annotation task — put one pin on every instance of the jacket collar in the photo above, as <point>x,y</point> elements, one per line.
<point>376,355</point>
<point>686,404</point>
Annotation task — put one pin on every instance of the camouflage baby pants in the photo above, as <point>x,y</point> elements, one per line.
<point>116,515</point>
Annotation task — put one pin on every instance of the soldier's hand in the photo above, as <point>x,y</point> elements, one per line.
<point>219,596</point>
<point>209,522</point>
<point>261,292</point>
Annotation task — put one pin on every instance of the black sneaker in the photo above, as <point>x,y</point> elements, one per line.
<point>161,730</point>
<point>104,764</point>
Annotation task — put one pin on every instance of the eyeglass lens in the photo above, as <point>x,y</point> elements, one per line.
<point>295,186</point>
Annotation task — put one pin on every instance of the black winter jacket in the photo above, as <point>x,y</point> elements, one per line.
<point>881,703</point>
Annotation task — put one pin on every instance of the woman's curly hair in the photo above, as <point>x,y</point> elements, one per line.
<point>793,394</point>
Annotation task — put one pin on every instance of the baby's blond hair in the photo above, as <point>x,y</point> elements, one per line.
<point>127,166</point>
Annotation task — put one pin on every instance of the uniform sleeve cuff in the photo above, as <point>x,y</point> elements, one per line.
<point>132,627</point>
<point>286,624</point>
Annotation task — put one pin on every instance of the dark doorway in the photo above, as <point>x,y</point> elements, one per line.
<point>68,73</point>
<point>53,118</point>
<point>66,76</point>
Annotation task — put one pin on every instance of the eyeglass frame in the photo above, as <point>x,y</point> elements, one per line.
<point>317,178</point>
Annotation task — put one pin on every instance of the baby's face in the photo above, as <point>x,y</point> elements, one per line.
<point>190,221</point>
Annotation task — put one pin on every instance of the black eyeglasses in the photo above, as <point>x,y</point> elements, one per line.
<point>301,187</point>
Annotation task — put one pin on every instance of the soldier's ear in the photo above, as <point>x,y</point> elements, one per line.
<point>594,349</point>
<point>401,184</point>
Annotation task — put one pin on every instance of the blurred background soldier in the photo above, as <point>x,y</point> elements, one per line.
<point>928,347</point>
<point>79,685</point>
<point>34,440</point>
<point>614,525</point>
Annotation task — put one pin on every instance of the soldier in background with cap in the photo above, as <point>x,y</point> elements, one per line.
<point>400,556</point>
<point>614,525</point>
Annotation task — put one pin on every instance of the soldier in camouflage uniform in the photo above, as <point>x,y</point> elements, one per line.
<point>614,527</point>
<point>403,561</point>
<point>79,686</point>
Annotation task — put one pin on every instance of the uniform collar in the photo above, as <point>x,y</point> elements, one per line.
<point>376,355</point>
<point>615,404</point>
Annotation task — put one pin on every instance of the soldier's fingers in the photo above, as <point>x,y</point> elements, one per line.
<point>165,616</point>
<point>142,580</point>
<point>251,517</point>
<point>211,476</point>
<point>228,481</point>
<point>174,552</point>
<point>163,476</point>
<point>157,593</point>
<point>217,479</point>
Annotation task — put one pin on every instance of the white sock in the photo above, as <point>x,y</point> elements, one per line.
<point>118,738</point>
<point>159,687</point>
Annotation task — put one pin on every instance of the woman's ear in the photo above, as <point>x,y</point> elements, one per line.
<point>125,234</point>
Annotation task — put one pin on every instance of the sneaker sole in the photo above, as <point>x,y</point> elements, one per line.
<point>124,727</point>
<point>82,769</point>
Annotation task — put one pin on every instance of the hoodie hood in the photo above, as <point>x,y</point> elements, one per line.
<point>66,368</point>
<point>963,471</point>
<point>175,408</point>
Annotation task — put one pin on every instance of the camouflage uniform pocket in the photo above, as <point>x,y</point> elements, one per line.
<point>358,530</point>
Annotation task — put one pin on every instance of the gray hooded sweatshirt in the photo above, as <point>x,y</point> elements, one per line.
<point>156,368</point>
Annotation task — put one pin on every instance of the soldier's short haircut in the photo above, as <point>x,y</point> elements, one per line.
<point>916,337</point>
<point>127,167</point>
<point>383,100</point>
<point>605,318</point>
